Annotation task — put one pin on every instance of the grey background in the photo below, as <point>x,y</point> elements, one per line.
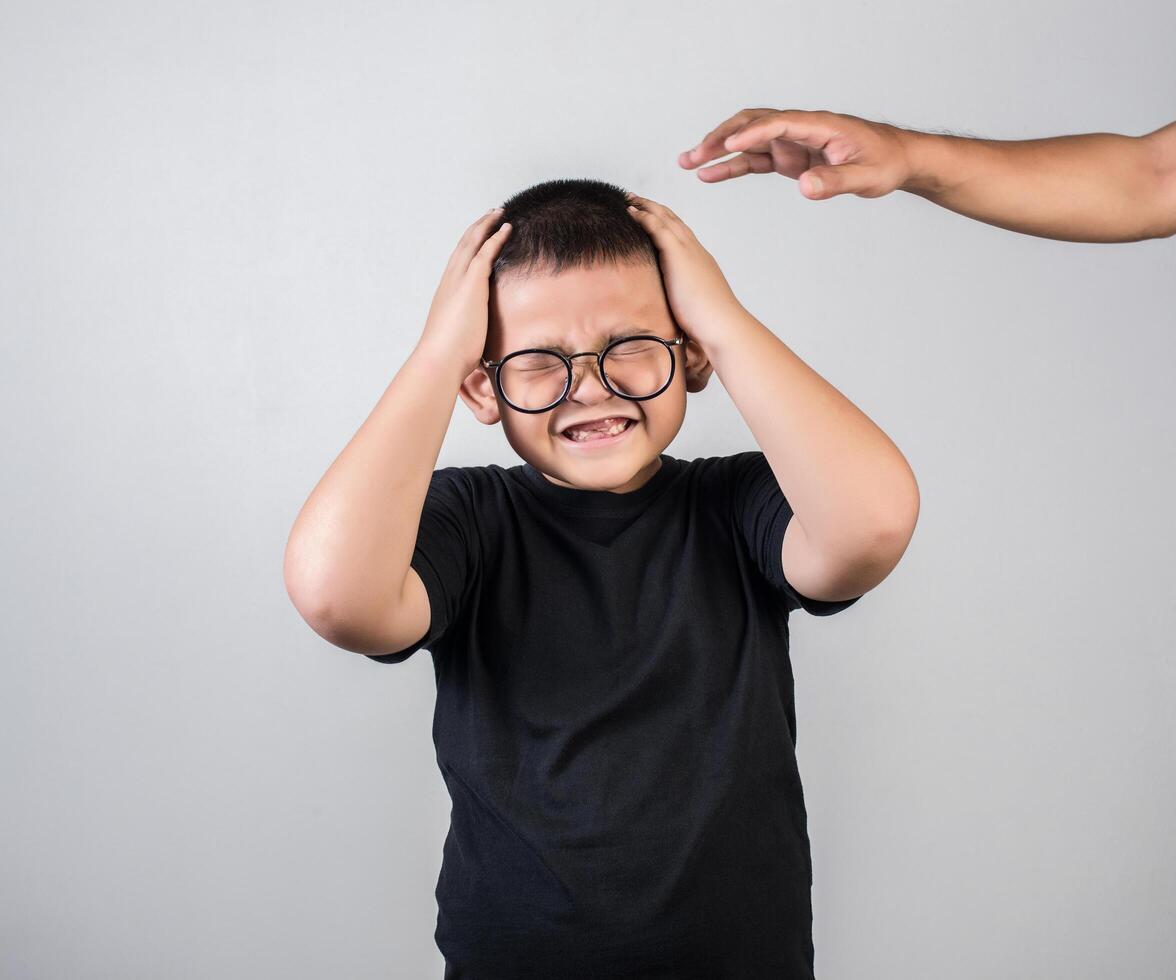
<point>222,228</point>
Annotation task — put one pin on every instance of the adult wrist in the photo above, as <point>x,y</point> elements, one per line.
<point>928,158</point>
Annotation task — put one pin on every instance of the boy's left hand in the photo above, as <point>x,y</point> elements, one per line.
<point>700,298</point>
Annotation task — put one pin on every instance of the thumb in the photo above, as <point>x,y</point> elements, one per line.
<point>819,183</point>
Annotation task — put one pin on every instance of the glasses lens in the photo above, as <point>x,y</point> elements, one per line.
<point>532,380</point>
<point>536,380</point>
<point>638,367</point>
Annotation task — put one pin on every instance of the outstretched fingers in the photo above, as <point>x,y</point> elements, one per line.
<point>737,166</point>
<point>712,146</point>
<point>811,129</point>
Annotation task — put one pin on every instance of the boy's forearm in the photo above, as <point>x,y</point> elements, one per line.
<point>849,486</point>
<point>350,549</point>
<point>1095,187</point>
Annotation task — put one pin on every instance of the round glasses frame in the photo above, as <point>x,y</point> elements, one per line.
<point>599,355</point>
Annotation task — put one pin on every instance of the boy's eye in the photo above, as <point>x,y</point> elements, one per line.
<point>537,359</point>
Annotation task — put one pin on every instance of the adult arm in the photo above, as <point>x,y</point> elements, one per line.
<point>1094,187</point>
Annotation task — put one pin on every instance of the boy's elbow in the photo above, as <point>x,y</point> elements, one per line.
<point>300,584</point>
<point>311,606</point>
<point>870,566</point>
<point>357,624</point>
<point>892,545</point>
<point>877,553</point>
<point>894,535</point>
<point>1159,220</point>
<point>338,629</point>
<point>898,531</point>
<point>894,524</point>
<point>310,597</point>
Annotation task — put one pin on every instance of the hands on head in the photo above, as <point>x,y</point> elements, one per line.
<point>457,324</point>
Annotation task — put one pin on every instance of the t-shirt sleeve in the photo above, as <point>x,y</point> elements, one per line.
<point>761,513</point>
<point>445,557</point>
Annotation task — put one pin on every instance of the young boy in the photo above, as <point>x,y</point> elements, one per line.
<point>608,624</point>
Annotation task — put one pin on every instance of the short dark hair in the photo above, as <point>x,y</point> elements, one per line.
<point>569,223</point>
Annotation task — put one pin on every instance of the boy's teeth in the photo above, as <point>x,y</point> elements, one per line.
<point>583,435</point>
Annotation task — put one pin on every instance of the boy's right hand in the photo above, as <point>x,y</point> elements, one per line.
<point>828,153</point>
<point>458,316</point>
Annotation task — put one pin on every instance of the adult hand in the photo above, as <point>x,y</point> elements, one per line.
<point>827,152</point>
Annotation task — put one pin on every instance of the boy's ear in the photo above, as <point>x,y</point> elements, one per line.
<point>477,391</point>
<point>698,366</point>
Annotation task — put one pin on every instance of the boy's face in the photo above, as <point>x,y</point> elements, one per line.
<point>581,309</point>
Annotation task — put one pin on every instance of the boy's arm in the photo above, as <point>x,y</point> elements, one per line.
<point>1095,187</point>
<point>347,565</point>
<point>854,497</point>
<point>348,558</point>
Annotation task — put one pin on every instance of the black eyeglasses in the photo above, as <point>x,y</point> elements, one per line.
<point>537,379</point>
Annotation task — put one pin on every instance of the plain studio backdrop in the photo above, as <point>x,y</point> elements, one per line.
<point>222,226</point>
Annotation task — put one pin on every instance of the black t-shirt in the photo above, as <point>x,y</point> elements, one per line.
<point>615,724</point>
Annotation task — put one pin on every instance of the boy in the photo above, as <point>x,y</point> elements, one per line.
<point>608,624</point>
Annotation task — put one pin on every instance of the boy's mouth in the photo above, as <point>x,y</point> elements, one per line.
<point>605,430</point>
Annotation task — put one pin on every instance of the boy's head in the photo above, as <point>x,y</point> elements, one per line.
<point>576,272</point>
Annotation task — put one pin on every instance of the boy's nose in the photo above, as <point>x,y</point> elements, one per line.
<point>587,367</point>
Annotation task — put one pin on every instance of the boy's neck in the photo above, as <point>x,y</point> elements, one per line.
<point>639,479</point>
